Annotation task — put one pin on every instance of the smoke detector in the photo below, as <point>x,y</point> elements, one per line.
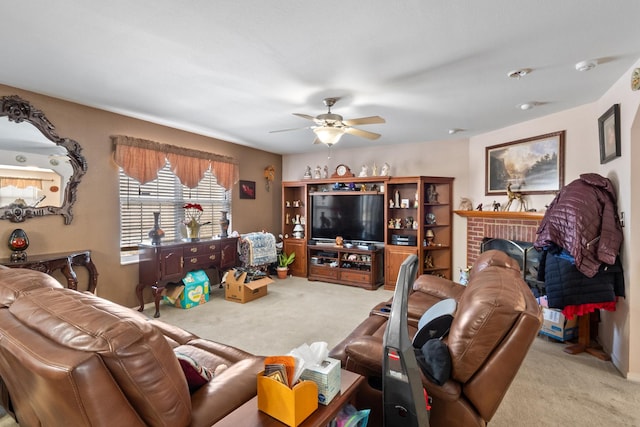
<point>586,65</point>
<point>516,74</point>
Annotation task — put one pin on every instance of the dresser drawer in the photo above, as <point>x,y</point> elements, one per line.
<point>323,272</point>
<point>194,249</point>
<point>201,261</point>
<point>355,276</point>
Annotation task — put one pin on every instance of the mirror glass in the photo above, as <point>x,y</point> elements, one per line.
<point>39,171</point>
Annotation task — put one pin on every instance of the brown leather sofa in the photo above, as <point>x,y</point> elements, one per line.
<point>70,358</point>
<point>496,321</point>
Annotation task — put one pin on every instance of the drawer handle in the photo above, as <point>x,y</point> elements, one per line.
<point>194,250</point>
<point>212,247</point>
<point>212,257</point>
<point>193,260</point>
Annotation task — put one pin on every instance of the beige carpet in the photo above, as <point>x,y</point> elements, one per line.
<point>552,388</point>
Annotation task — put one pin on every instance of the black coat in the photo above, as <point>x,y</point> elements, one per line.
<point>566,285</point>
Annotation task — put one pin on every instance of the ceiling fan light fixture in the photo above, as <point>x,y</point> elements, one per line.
<point>328,135</point>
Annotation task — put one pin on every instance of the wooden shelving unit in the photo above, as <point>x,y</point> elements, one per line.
<point>419,221</point>
<point>416,208</point>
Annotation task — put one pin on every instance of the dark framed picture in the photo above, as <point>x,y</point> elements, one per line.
<point>247,189</point>
<point>532,165</point>
<point>609,127</point>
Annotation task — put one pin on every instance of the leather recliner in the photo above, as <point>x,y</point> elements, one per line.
<point>70,358</point>
<point>496,320</point>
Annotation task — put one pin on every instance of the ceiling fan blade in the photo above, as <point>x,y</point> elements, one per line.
<point>362,133</point>
<point>305,116</point>
<point>364,121</point>
<point>287,130</point>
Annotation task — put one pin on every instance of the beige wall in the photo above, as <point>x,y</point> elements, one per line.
<point>96,213</point>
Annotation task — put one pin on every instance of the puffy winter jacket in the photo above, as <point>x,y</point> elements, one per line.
<point>583,219</point>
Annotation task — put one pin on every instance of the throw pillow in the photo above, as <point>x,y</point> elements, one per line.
<point>196,374</point>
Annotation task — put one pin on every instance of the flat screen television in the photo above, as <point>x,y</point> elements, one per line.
<point>355,217</point>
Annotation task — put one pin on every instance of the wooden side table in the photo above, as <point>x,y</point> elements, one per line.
<point>64,262</point>
<point>249,415</point>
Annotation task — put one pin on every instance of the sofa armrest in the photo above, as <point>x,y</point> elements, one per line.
<point>366,353</point>
<point>438,287</point>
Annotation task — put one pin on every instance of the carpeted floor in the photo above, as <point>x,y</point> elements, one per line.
<point>552,387</point>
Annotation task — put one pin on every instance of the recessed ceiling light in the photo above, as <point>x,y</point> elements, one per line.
<point>586,65</point>
<point>527,105</point>
<point>516,74</point>
<point>454,131</point>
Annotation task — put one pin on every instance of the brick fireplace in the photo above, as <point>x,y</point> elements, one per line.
<point>516,226</point>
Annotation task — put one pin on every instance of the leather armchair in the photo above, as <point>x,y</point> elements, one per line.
<point>496,321</point>
<point>72,358</point>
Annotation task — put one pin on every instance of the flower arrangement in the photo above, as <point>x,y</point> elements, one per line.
<point>192,213</point>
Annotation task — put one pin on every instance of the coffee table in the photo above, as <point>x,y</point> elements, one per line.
<point>249,415</point>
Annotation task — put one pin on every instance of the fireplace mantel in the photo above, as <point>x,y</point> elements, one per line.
<point>535,216</point>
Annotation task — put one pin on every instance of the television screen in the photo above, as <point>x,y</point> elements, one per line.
<point>355,217</point>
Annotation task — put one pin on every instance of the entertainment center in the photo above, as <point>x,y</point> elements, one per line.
<point>380,220</point>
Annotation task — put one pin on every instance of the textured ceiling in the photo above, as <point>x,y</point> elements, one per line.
<point>236,69</point>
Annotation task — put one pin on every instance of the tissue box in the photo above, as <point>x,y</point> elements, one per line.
<point>327,377</point>
<point>194,292</point>
<point>288,405</point>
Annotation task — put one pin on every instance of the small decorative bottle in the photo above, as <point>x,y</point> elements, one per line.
<point>224,224</point>
<point>156,233</point>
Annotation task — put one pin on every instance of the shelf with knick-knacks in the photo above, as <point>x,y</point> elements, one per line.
<point>419,219</point>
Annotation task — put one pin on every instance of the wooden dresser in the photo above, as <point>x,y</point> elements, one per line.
<point>171,261</point>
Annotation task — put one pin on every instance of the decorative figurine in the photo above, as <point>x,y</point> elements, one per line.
<point>465,204</point>
<point>432,194</point>
<point>386,169</point>
<point>391,204</point>
<point>479,207</point>
<point>374,170</point>
<point>317,173</point>
<point>363,171</point>
<point>496,206</point>
<point>307,173</point>
<point>325,172</point>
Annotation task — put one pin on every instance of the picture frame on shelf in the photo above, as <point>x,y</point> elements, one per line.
<point>247,189</point>
<point>532,165</point>
<point>609,131</point>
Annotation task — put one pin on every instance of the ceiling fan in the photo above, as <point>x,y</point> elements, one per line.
<point>330,127</point>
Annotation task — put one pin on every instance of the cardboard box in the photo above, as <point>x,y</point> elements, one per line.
<point>327,378</point>
<point>555,325</point>
<point>195,290</point>
<point>237,291</point>
<point>288,405</point>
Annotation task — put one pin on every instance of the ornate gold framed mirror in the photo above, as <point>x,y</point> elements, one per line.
<point>39,170</point>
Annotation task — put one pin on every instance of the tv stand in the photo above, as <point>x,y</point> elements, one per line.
<point>347,266</point>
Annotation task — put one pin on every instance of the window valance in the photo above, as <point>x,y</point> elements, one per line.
<point>22,182</point>
<point>141,159</point>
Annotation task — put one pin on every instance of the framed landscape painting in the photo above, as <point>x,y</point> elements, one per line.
<point>532,166</point>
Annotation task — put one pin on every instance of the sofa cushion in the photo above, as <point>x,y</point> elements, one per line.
<point>136,353</point>
<point>16,281</point>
